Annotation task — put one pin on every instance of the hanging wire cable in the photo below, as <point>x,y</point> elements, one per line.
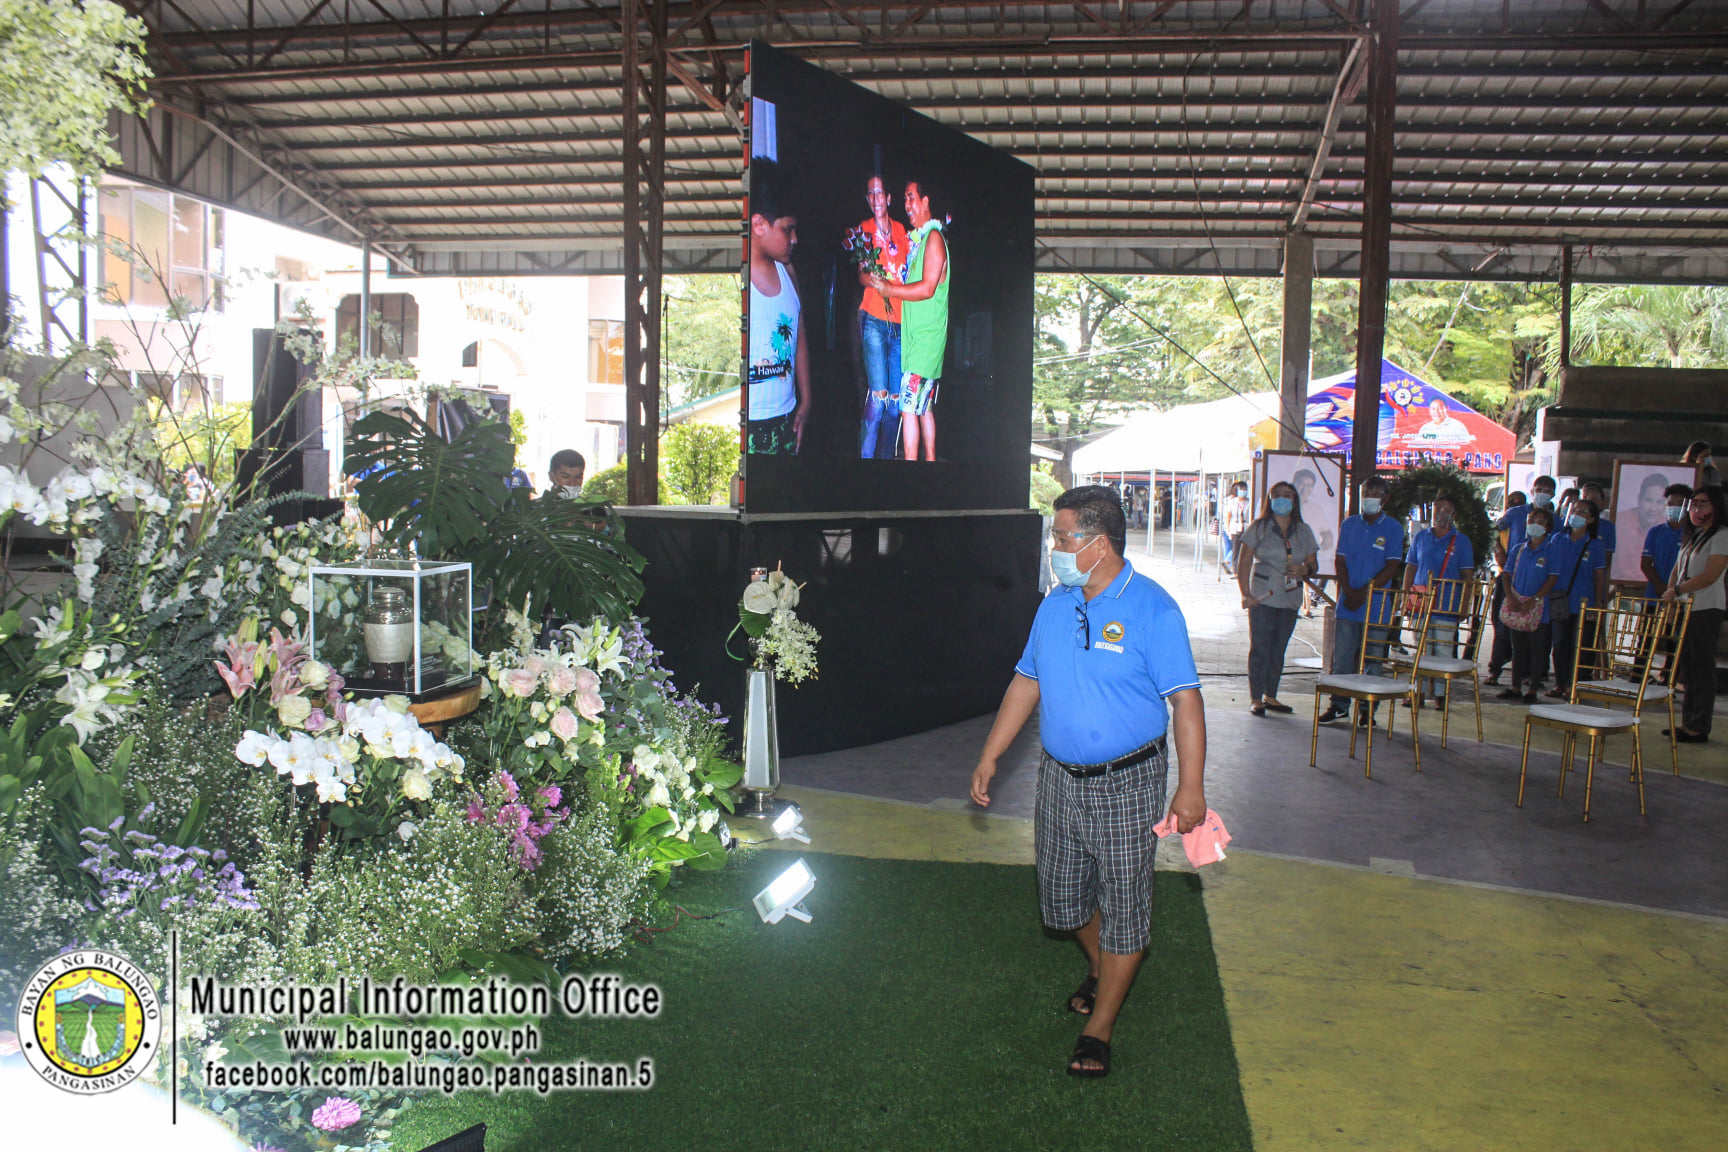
<point>1206,221</point>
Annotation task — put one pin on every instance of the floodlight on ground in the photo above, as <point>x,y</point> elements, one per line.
<point>784,896</point>
<point>789,825</point>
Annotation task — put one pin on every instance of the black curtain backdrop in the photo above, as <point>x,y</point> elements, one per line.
<point>922,618</point>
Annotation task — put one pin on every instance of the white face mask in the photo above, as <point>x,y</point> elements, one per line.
<point>566,492</point>
<point>1370,505</point>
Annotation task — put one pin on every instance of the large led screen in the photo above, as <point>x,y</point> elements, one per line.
<point>887,304</point>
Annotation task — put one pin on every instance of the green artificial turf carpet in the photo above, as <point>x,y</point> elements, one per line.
<point>922,1010</point>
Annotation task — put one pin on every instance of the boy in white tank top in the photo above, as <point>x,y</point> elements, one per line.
<point>778,388</point>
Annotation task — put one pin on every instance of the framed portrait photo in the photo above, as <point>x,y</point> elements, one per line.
<point>1637,506</point>
<point>1320,490</point>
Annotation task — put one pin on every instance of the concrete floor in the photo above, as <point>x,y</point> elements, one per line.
<point>1410,962</point>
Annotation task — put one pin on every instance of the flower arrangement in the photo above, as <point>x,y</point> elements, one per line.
<point>783,644</point>
<point>524,818</point>
<point>370,766</point>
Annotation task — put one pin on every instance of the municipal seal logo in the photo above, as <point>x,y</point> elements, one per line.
<point>1113,632</point>
<point>89,1022</point>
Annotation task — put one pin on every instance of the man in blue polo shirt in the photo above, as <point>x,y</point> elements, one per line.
<point>1110,671</point>
<point>1370,552</point>
<point>1662,543</point>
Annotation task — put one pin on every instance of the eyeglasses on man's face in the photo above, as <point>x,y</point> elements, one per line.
<point>1074,540</point>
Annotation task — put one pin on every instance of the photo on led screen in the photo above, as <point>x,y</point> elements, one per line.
<point>889,289</point>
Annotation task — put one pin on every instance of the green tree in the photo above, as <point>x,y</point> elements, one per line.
<point>700,351</point>
<point>697,462</point>
<point>63,66</point>
<point>1667,325</point>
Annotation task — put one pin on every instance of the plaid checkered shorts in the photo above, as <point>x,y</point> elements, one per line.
<point>1095,848</point>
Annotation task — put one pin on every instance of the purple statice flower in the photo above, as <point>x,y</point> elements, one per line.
<point>336,1113</point>
<point>551,795</point>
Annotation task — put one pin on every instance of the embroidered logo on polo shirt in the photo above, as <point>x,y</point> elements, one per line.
<point>1113,632</point>
<point>1380,543</point>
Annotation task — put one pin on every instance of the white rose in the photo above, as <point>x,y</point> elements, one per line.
<point>315,675</point>
<point>294,710</point>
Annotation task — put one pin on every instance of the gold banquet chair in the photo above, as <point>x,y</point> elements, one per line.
<point>1649,628</point>
<point>1465,601</point>
<point>1368,690</point>
<point>1573,719</point>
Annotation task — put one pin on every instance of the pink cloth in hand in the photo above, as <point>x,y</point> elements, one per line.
<point>1205,844</point>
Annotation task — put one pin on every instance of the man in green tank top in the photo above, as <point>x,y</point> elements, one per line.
<point>923,322</point>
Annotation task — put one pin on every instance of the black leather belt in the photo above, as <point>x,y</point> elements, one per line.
<point>1143,753</point>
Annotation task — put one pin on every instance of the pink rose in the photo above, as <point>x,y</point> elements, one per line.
<point>561,681</point>
<point>521,682</point>
<point>316,720</point>
<point>564,724</point>
<point>588,702</point>
<point>535,665</point>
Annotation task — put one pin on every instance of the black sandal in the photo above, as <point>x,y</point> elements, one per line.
<point>1088,992</point>
<point>1090,1048</point>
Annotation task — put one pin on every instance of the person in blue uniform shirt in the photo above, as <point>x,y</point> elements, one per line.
<point>1579,557</point>
<point>1605,529</point>
<point>1662,542</point>
<point>1370,552</point>
<point>1529,574</point>
<point>1109,670</point>
<point>1439,552</point>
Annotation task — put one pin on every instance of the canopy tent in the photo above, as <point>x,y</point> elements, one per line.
<point>1418,422</point>
<point>1210,437</point>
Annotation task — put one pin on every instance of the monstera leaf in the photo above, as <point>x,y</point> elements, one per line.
<point>570,555</point>
<point>443,494</point>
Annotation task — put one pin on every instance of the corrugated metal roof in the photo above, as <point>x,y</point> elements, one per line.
<point>1169,134</point>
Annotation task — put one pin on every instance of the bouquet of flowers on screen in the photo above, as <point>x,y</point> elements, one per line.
<point>782,643</point>
<point>866,252</point>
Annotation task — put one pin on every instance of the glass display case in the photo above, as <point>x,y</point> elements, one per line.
<point>394,626</point>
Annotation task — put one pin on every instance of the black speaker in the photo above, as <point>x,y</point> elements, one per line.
<point>286,415</point>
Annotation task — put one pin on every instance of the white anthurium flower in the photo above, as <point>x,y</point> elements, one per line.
<point>254,748</point>
<point>760,598</point>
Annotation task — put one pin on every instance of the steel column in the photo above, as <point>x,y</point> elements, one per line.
<point>1297,340</point>
<point>366,299</point>
<point>1566,306</point>
<point>1376,241</point>
<point>644,223</point>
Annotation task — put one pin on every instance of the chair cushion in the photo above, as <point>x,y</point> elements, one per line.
<point>1453,664</point>
<point>1584,716</point>
<point>1377,685</point>
<point>1621,687</point>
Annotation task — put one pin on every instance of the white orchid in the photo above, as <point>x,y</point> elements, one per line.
<point>254,748</point>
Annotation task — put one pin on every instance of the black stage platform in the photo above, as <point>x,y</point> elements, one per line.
<point>922,614</point>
